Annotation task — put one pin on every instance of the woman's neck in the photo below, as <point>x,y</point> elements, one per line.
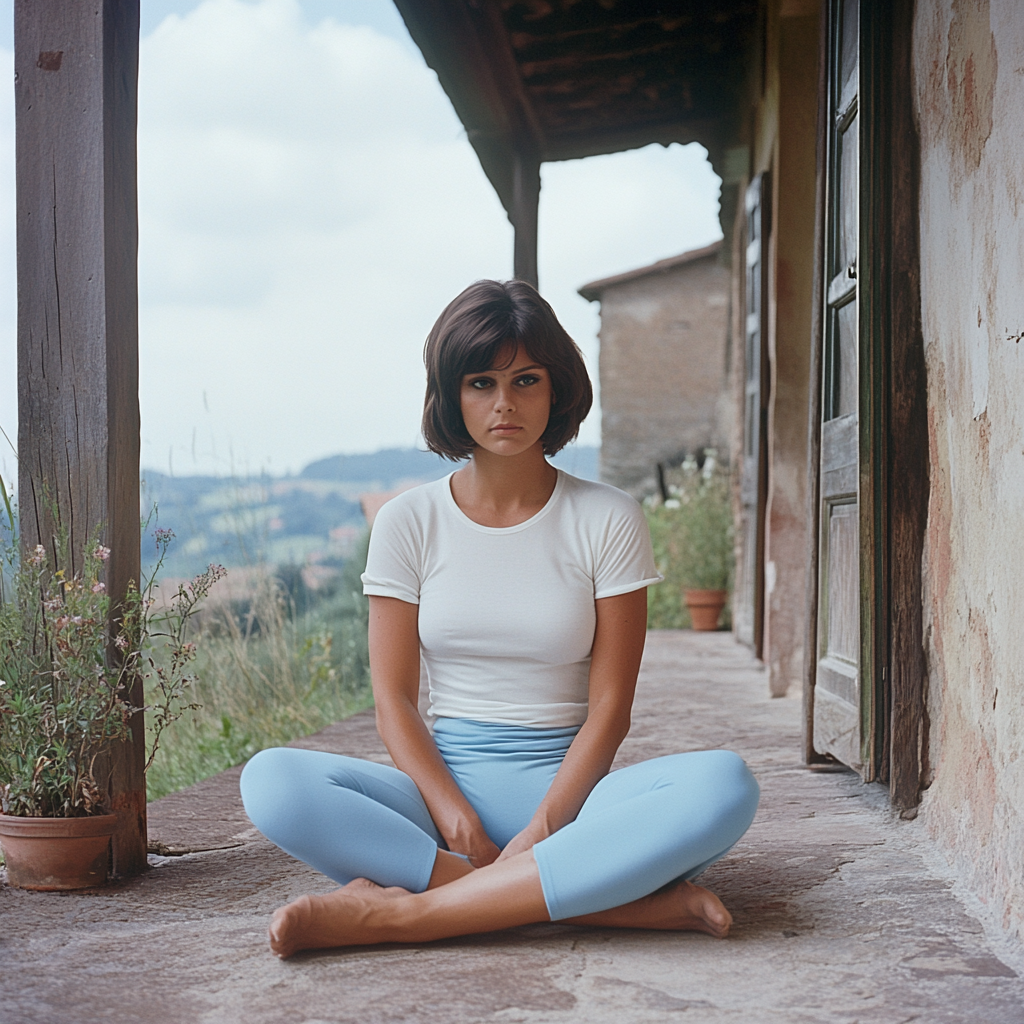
<point>504,490</point>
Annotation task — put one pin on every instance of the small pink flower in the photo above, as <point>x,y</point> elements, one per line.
<point>102,553</point>
<point>121,643</point>
<point>163,537</point>
<point>37,557</point>
<point>98,588</point>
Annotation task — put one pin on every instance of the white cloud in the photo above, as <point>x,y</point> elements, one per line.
<point>308,204</point>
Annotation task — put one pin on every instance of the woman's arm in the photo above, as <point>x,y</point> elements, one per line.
<point>395,670</point>
<point>614,664</point>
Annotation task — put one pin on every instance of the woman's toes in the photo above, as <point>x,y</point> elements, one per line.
<point>287,926</point>
<point>718,918</point>
<point>704,909</point>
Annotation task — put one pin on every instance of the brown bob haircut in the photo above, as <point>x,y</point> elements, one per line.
<point>469,337</point>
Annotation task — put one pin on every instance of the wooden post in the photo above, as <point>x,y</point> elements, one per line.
<point>525,201</point>
<point>76,72</point>
<point>893,149</point>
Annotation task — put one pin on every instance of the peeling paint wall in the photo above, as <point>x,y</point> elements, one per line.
<point>786,528</point>
<point>969,82</point>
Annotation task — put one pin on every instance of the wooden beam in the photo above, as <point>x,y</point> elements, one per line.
<point>892,148</point>
<point>467,45</point>
<point>480,49</point>
<point>76,72</point>
<point>525,204</point>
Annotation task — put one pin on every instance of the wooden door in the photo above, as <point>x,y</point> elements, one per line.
<point>748,600</point>
<point>841,723</point>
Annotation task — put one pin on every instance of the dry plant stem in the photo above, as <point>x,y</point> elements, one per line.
<point>502,895</point>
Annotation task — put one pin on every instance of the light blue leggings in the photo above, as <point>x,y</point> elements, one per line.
<point>640,828</point>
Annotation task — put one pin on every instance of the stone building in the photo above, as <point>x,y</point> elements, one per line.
<point>663,365</point>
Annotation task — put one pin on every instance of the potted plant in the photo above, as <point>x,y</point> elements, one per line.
<point>706,549</point>
<point>691,532</point>
<point>65,675</point>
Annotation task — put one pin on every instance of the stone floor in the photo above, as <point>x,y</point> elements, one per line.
<point>843,912</point>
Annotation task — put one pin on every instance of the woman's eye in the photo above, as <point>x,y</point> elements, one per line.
<point>480,383</point>
<point>527,380</point>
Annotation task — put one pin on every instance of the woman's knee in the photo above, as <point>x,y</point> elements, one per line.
<point>723,787</point>
<point>737,791</point>
<point>274,788</point>
<point>733,778</point>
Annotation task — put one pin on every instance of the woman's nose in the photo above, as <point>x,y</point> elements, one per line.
<point>503,398</point>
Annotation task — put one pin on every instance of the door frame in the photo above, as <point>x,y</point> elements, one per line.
<point>894,477</point>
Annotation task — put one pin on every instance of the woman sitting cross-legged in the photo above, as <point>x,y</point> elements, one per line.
<point>523,592</point>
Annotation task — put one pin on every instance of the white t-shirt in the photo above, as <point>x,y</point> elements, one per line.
<point>506,614</point>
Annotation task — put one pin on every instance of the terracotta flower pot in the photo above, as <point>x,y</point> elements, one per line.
<point>705,607</point>
<point>56,853</point>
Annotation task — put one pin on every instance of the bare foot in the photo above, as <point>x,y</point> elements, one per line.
<point>341,918</point>
<point>683,907</point>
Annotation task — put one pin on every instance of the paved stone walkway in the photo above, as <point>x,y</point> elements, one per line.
<point>843,913</point>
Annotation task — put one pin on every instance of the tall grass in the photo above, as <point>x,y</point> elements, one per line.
<point>267,675</point>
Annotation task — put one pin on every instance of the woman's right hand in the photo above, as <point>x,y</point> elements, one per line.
<point>395,670</point>
<point>474,844</point>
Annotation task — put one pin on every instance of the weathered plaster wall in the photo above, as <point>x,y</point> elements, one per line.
<point>786,527</point>
<point>663,374</point>
<point>969,71</point>
<point>784,119</point>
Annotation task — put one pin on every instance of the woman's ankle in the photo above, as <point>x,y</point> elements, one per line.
<point>447,868</point>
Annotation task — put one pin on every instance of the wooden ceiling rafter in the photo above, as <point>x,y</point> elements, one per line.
<point>563,79</point>
<point>466,45</point>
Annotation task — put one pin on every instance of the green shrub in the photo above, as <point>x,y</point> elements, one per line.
<point>692,538</point>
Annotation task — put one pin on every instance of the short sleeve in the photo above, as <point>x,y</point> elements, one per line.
<point>393,560</point>
<point>625,559</point>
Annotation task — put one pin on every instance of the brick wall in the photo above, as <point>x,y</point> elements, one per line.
<point>663,370</point>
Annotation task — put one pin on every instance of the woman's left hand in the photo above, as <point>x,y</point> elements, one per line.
<point>525,840</point>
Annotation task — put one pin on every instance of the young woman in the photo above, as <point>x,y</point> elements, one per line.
<point>522,590</point>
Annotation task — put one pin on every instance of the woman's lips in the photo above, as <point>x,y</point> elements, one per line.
<point>505,428</point>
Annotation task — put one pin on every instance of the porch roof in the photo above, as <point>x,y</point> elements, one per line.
<point>562,79</point>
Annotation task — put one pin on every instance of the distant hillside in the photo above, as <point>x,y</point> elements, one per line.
<point>386,467</point>
<point>312,517</point>
<point>391,466</point>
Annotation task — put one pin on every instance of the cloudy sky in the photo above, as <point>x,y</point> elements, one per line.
<point>308,203</point>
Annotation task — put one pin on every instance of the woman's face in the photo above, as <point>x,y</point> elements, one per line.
<point>506,411</point>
